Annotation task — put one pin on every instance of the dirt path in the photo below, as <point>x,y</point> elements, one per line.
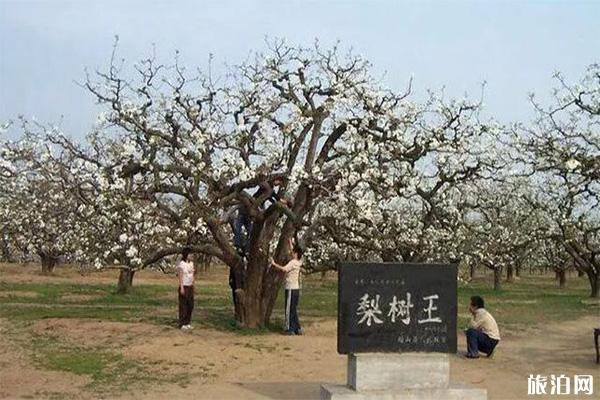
<point>228,366</point>
<point>279,367</point>
<point>311,360</point>
<point>565,348</point>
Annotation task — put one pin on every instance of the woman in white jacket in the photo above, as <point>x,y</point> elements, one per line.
<point>292,290</point>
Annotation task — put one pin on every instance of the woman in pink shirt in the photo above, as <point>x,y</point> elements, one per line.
<point>186,275</point>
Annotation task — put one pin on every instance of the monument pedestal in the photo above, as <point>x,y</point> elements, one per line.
<point>397,323</point>
<point>399,376</point>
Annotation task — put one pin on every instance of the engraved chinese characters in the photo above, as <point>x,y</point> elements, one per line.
<point>396,308</point>
<point>368,310</point>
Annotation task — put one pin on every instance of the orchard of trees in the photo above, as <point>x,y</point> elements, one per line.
<point>367,173</point>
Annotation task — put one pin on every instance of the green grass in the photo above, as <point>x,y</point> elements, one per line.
<point>531,299</point>
<point>318,299</point>
<point>78,362</point>
<point>105,294</point>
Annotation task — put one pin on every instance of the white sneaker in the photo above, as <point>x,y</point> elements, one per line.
<point>189,326</point>
<point>185,327</point>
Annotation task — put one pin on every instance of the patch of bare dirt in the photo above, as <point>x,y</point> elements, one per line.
<point>76,298</point>
<point>513,301</point>
<point>589,302</point>
<point>31,273</point>
<point>97,334</point>
<point>281,367</point>
<point>17,294</point>
<point>19,378</point>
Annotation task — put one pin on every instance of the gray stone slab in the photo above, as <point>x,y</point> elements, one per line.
<point>453,392</point>
<point>388,371</point>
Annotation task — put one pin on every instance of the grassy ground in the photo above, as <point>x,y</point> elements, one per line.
<point>533,299</point>
<point>155,303</point>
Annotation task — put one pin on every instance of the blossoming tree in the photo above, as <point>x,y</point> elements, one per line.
<point>121,225</point>
<point>561,154</point>
<point>312,122</point>
<point>37,212</point>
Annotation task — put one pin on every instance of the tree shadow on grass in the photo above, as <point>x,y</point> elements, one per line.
<point>220,319</point>
<point>223,319</point>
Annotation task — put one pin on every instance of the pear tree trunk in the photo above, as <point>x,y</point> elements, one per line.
<point>6,254</point>
<point>256,283</point>
<point>49,262</point>
<point>497,278</point>
<point>561,277</point>
<point>125,280</point>
<point>594,284</point>
<point>510,273</point>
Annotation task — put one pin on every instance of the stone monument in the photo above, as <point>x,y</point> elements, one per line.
<point>397,324</point>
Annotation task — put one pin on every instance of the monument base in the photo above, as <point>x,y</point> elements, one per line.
<point>400,376</point>
<point>453,392</point>
<point>391,371</point>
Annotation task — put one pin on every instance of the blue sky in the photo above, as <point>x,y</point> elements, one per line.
<point>513,45</point>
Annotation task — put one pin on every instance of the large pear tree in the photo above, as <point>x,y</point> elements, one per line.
<point>343,152</point>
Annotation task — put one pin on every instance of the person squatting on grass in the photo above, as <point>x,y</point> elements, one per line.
<point>483,334</point>
<point>186,274</point>
<point>292,289</point>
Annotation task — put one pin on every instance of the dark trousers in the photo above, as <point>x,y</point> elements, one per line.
<point>242,221</point>
<point>186,305</point>
<point>292,323</point>
<point>232,285</point>
<point>478,341</point>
